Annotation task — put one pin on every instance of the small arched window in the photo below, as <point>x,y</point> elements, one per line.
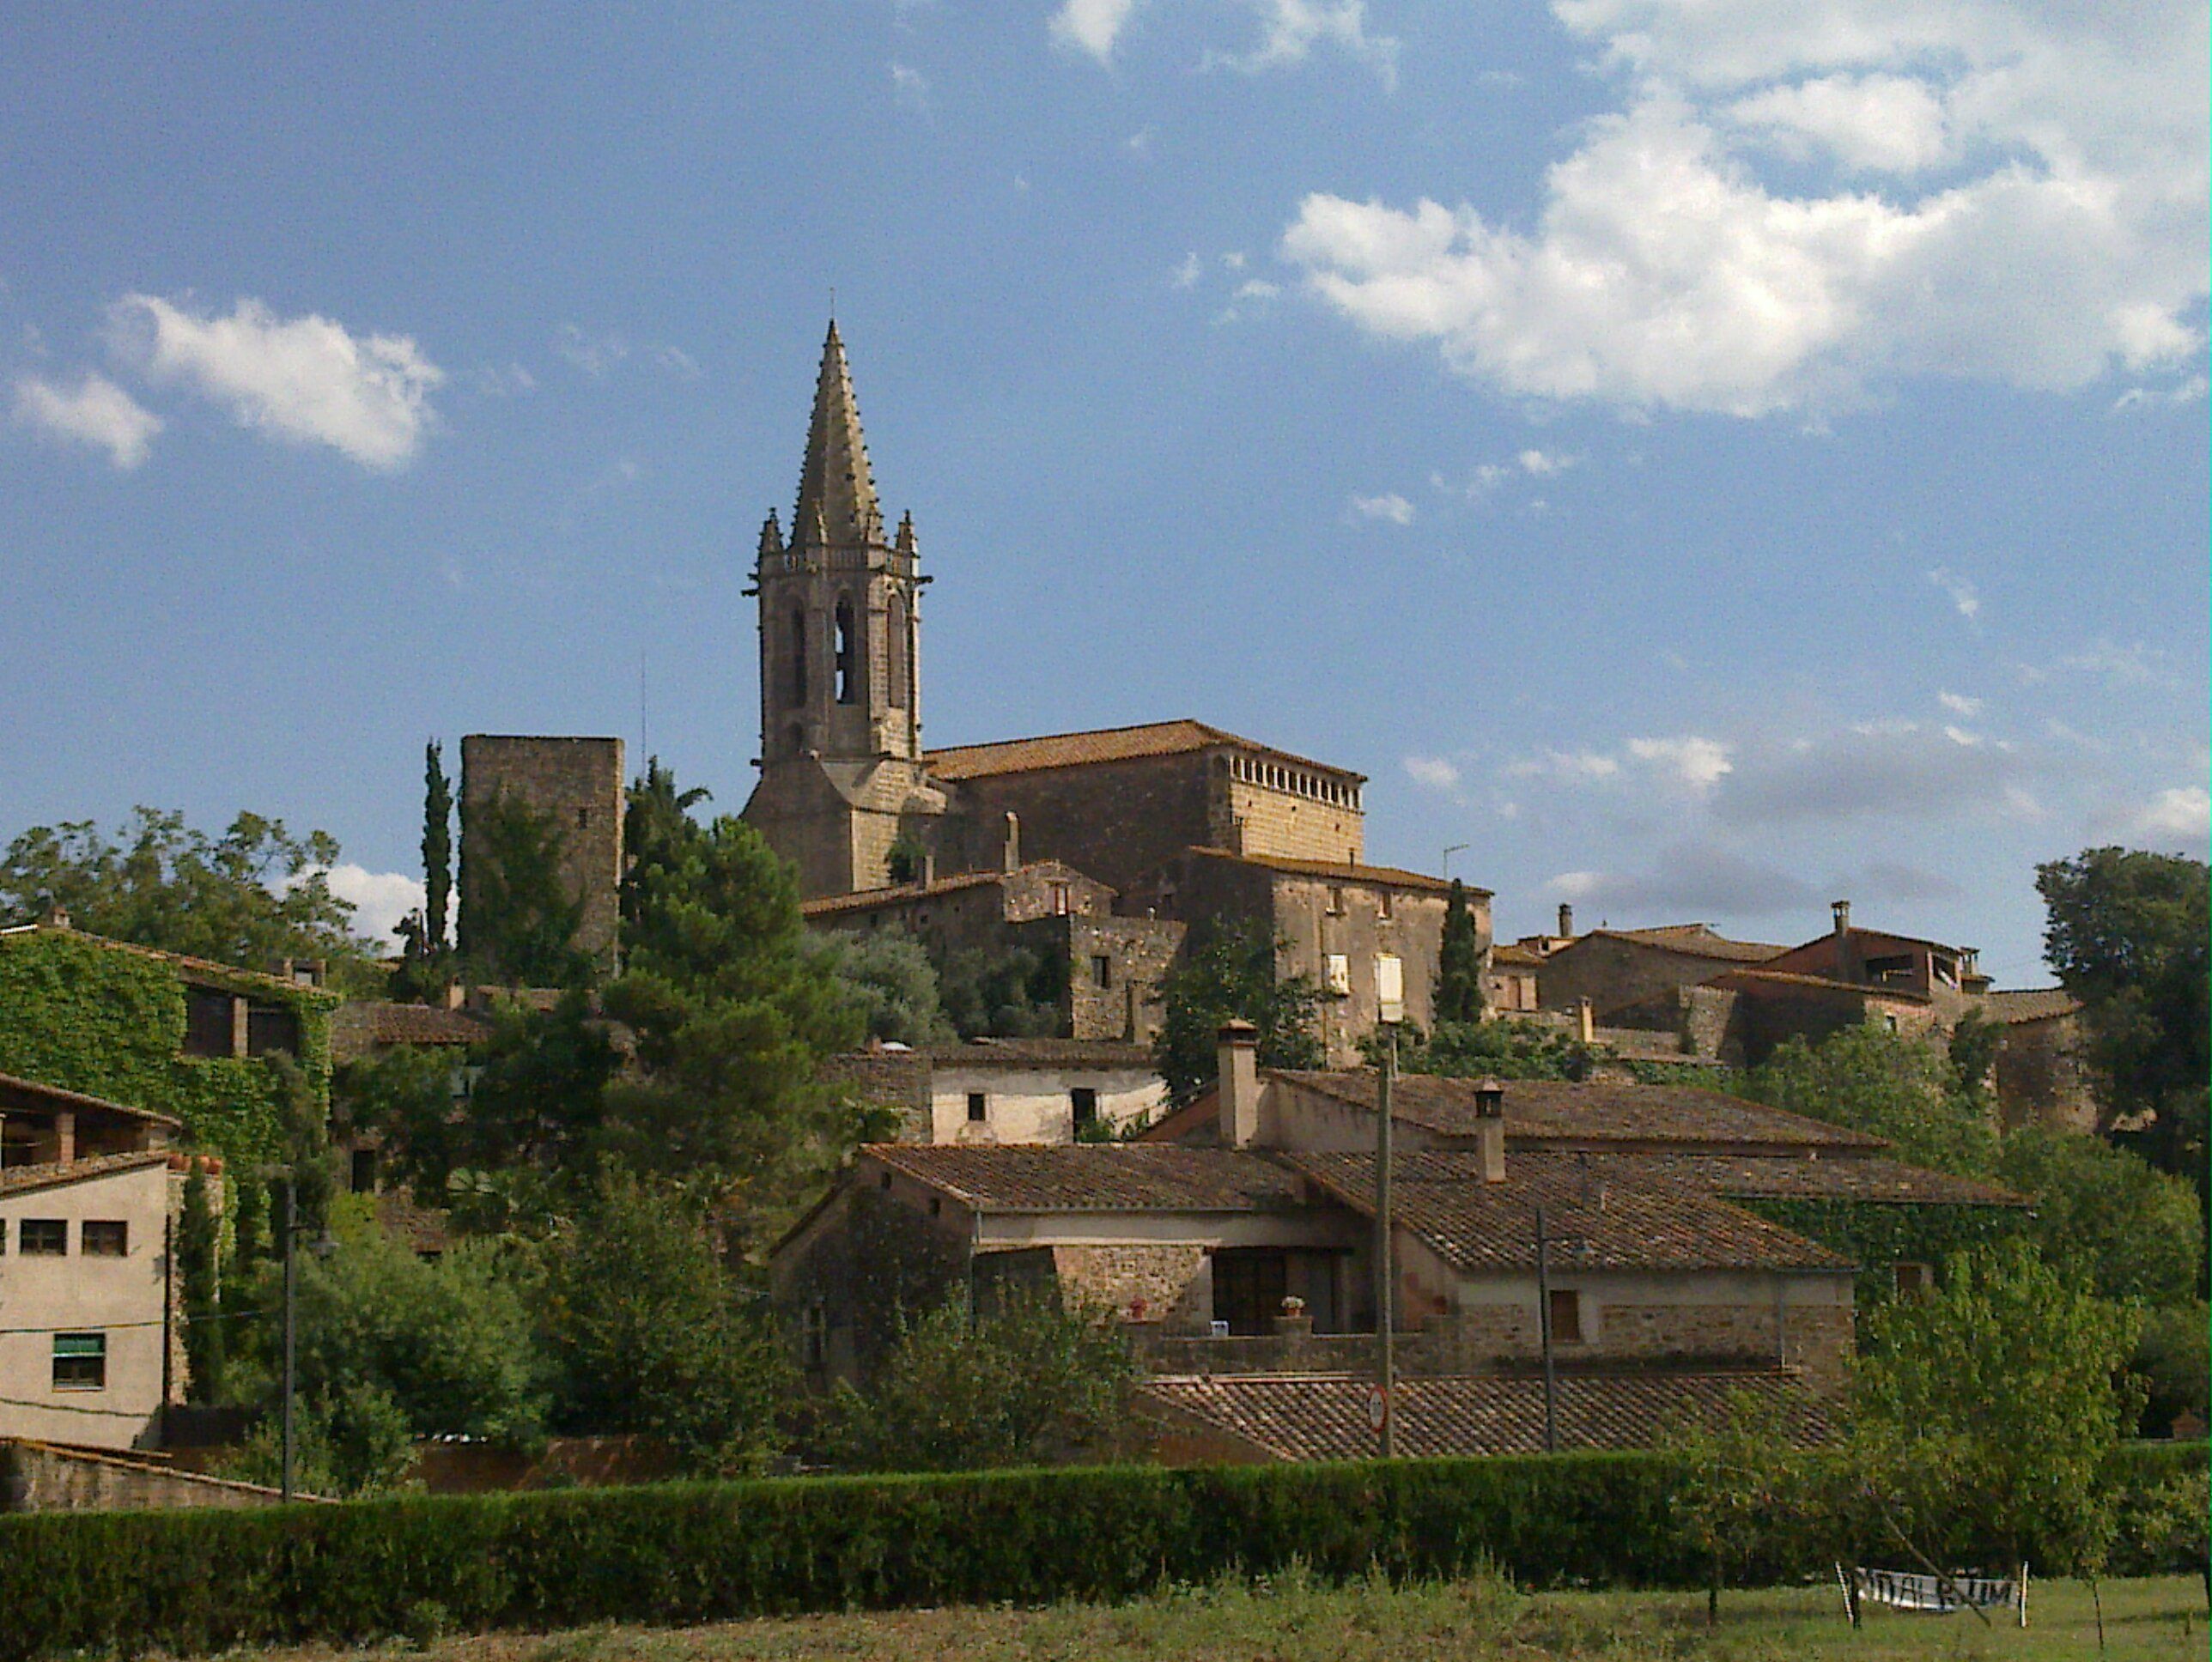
<point>799,657</point>
<point>848,654</point>
<point>897,654</point>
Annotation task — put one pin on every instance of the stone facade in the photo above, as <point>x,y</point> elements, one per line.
<point>577,785</point>
<point>1613,968</point>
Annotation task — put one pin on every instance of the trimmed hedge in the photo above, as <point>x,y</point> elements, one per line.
<point>192,1582</point>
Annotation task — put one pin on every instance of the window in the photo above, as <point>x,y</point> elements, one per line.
<point>3,1237</point>
<point>1249,1284</point>
<point>1084,1101</point>
<point>100,1237</point>
<point>44,1237</point>
<point>1913,1280</point>
<point>80,1361</point>
<point>799,657</point>
<point>583,819</point>
<point>364,1171</point>
<point>979,1108</point>
<point>1336,903</point>
<point>271,1028</point>
<point>1566,1316</point>
<point>1059,900</point>
<point>1338,976</point>
<point>814,1336</point>
<point>895,649</point>
<point>1889,1022</point>
<point>207,1023</point>
<point>937,1205</point>
<point>1101,971</point>
<point>848,654</point>
<point>1383,905</point>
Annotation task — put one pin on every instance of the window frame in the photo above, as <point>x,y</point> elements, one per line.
<point>120,1238</point>
<point>23,1237</point>
<point>1576,1332</point>
<point>88,1353</point>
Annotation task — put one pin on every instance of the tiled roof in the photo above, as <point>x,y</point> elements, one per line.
<point>1597,1219</point>
<point>1155,738</point>
<point>1798,978</point>
<point>1594,1110</point>
<point>1100,1178</point>
<point>52,1173</point>
<point>1510,953</point>
<point>1042,1053</point>
<point>31,1096</point>
<point>1698,940</point>
<point>1324,1417</point>
<point>357,1028</point>
<point>1385,876</point>
<point>1780,1176</point>
<point>2030,1004</point>
<point>897,893</point>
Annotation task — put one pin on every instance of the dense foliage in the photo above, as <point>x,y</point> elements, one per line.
<point>889,979</point>
<point>1229,975</point>
<point>2134,1232</point>
<point>1891,1086</point>
<point>1459,962</point>
<point>1022,1381</point>
<point>519,920</point>
<point>691,1553</point>
<point>426,957</point>
<point>1015,993</point>
<point>251,897</point>
<point>1507,1048</point>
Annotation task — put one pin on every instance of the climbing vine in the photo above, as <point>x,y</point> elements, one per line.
<point>1879,1236</point>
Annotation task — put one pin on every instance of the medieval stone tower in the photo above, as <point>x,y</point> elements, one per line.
<point>841,773</point>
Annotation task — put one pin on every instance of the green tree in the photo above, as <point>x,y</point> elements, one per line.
<point>200,1288</point>
<point>1459,962</point>
<point>426,956</point>
<point>2127,933</point>
<point>1985,1414</point>
<point>2131,1231</point>
<point>1012,994</point>
<point>1885,1083</point>
<point>1229,975</point>
<point>2174,1362</point>
<point>656,827</point>
<point>350,1444</point>
<point>1747,1479</point>
<point>251,897</point>
<point>1506,1049</point>
<point>1024,1382</point>
<point>892,984</point>
<point>519,920</point>
<point>647,1333</point>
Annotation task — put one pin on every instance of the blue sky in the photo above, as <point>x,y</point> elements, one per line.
<point>1707,459</point>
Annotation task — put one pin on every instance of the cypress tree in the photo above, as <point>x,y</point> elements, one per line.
<point>196,1265</point>
<point>1459,962</point>
<point>437,849</point>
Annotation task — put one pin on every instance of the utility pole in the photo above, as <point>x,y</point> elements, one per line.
<point>1451,849</point>
<point>1544,1328</point>
<point>1390,1002</point>
<point>291,1240</point>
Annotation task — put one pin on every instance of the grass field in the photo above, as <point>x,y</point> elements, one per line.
<point>1482,1620</point>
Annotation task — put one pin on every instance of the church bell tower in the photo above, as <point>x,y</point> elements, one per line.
<point>841,663</point>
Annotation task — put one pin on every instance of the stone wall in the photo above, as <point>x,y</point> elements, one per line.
<point>2042,1078</point>
<point>1263,819</point>
<point>37,1477</point>
<point>1611,972</point>
<point>1119,999</point>
<point>1113,819</point>
<point>1171,1282</point>
<point>577,785</point>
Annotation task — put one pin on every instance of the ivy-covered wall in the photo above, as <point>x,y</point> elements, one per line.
<point>93,1015</point>
<point>1878,1236</point>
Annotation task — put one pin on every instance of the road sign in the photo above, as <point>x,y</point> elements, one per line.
<point>1378,1408</point>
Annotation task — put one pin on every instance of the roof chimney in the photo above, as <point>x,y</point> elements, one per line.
<point>926,872</point>
<point>1566,920</point>
<point>1236,1084</point>
<point>1013,842</point>
<point>1585,1022</point>
<point>58,917</point>
<point>1841,909</point>
<point>1490,1129</point>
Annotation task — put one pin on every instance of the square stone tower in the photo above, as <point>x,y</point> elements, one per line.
<point>577,785</point>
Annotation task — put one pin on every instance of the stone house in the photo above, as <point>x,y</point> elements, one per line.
<point>1006,1091</point>
<point>2043,1076</point>
<point>89,1346</point>
<point>1614,968</point>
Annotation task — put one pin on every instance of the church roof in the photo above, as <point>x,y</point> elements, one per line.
<point>837,502</point>
<point>1387,876</point>
<point>1155,738</point>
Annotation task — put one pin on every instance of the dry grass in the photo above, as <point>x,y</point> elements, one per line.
<point>1293,1619</point>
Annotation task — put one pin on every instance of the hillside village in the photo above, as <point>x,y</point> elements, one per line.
<point>1594,1231</point>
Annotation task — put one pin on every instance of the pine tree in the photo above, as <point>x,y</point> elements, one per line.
<point>1459,962</point>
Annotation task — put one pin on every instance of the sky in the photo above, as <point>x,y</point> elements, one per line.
<point>1700,459</point>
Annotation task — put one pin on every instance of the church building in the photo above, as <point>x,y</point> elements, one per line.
<point>1159,828</point>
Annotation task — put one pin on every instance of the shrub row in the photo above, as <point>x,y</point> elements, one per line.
<point>194,1581</point>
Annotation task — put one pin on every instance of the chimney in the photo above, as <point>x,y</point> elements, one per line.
<point>1490,1129</point>
<point>1841,909</point>
<point>1585,1022</point>
<point>1566,921</point>
<point>1013,844</point>
<point>927,876</point>
<point>58,917</point>
<point>1236,1084</point>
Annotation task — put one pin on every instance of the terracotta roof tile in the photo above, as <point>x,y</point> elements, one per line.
<point>1156,739</point>
<point>1698,940</point>
<point>1105,1177</point>
<point>2030,1004</point>
<point>53,1173</point>
<point>1601,1111</point>
<point>31,1094</point>
<point>1600,1219</point>
<point>1324,1417</point>
<point>1386,876</point>
<point>1042,1053</point>
<point>908,893</point>
<point>357,1028</point>
<point>1756,977</point>
<point>1863,1179</point>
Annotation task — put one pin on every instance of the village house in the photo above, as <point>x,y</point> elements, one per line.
<point>1006,1091</point>
<point>89,1343</point>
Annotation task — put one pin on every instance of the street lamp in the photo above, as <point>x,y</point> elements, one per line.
<point>1451,849</point>
<point>1580,1249</point>
<point>321,1247</point>
<point>1390,1009</point>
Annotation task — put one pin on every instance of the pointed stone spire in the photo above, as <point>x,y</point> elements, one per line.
<point>835,490</point>
<point>771,535</point>
<point>906,543</point>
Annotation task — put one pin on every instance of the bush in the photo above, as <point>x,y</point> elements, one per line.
<point>194,1581</point>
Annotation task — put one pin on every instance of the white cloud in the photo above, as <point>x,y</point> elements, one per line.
<point>1959,705</point>
<point>1700,763</point>
<point>2132,665</point>
<point>678,362</point>
<point>593,354</point>
<point>2183,811</point>
<point>1435,772</point>
<point>1570,767</point>
<point>1390,506</point>
<point>380,899</point>
<point>1186,276</point>
<point>303,379</point>
<point>1292,28</point>
<point>1884,771</point>
<point>1965,597</point>
<point>1543,463</point>
<point>1092,26</point>
<point>1876,123</point>
<point>2184,392</point>
<point>910,86</point>
<point>95,412</point>
<point>1664,269</point>
<point>1257,288</point>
